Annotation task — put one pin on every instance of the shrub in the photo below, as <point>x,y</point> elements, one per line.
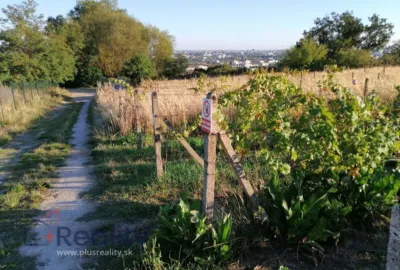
<point>325,159</point>
<point>139,68</point>
<point>353,58</point>
<point>306,55</point>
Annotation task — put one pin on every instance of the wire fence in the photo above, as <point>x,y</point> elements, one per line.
<point>16,95</point>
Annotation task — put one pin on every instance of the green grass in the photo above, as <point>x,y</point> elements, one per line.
<point>28,180</point>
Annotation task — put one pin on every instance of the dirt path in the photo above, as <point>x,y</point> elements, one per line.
<point>64,205</point>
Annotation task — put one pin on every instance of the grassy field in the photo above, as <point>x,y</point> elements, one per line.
<point>29,107</point>
<point>180,100</point>
<point>381,79</point>
<point>29,181</point>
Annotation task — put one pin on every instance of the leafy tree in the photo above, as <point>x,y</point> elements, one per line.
<point>113,36</point>
<point>377,34</point>
<point>139,68</point>
<point>354,58</point>
<point>69,29</point>
<point>88,75</point>
<point>27,53</point>
<point>175,66</point>
<point>306,55</point>
<point>345,31</point>
<point>160,46</point>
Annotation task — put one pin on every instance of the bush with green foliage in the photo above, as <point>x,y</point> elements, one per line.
<point>326,160</point>
<point>353,58</point>
<point>139,68</point>
<point>175,67</point>
<point>306,55</point>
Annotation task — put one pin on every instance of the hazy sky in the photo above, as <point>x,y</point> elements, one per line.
<point>236,24</point>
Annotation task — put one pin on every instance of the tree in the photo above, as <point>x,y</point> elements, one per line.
<point>353,58</point>
<point>27,52</point>
<point>345,31</point>
<point>175,66</point>
<point>377,34</point>
<point>160,46</point>
<point>306,55</point>
<point>139,68</point>
<point>113,36</point>
<point>69,29</point>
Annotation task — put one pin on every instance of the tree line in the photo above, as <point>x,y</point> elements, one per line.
<point>344,40</point>
<point>96,39</point>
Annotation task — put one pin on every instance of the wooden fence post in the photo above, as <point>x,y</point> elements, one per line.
<point>352,76</point>
<point>234,159</point>
<point>314,74</point>
<point>366,87</point>
<point>157,134</point>
<point>210,157</point>
<point>138,125</point>
<point>379,76</point>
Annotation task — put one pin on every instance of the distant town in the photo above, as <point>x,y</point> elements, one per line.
<point>236,59</point>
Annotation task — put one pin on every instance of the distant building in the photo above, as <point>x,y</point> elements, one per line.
<point>247,64</point>
<point>203,67</point>
<point>190,69</point>
<point>236,64</point>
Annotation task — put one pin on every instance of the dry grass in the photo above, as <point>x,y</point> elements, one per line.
<point>117,108</point>
<point>180,100</point>
<point>19,116</point>
<point>383,82</point>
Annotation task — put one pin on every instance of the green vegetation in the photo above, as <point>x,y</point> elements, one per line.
<point>306,55</point>
<point>28,54</point>
<point>139,68</point>
<point>96,39</point>
<point>392,55</point>
<point>341,39</point>
<point>175,67</point>
<point>326,160</point>
<point>28,180</point>
<point>318,165</point>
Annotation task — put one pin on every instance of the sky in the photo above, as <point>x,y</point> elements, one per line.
<point>236,24</point>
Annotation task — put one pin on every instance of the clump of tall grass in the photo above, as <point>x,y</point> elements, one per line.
<point>118,111</point>
<point>19,109</point>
